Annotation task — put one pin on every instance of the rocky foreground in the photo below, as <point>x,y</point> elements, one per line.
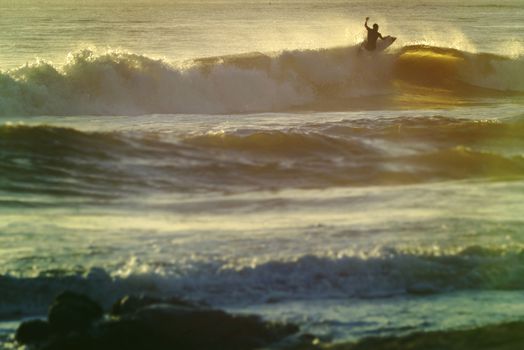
<point>76,322</point>
<point>139,323</point>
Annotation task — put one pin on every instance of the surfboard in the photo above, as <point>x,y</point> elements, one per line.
<point>382,44</point>
<point>385,43</point>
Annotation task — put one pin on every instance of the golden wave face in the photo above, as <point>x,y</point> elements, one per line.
<point>448,77</point>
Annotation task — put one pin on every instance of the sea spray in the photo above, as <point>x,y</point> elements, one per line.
<point>120,83</point>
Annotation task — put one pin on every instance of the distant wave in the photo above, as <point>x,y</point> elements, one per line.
<point>391,274</point>
<point>118,83</point>
<point>382,151</point>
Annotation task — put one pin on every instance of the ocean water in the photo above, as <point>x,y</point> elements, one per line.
<point>246,153</point>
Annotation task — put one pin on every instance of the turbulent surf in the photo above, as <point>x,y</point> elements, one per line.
<point>120,83</point>
<point>346,152</point>
<point>246,155</point>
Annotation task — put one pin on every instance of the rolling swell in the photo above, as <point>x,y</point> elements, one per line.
<point>108,165</point>
<point>325,79</point>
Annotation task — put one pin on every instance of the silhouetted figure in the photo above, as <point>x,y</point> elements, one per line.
<point>373,35</point>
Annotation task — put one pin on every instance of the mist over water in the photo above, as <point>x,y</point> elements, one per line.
<point>248,155</point>
<point>181,30</point>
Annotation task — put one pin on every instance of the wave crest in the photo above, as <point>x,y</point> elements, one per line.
<point>339,78</point>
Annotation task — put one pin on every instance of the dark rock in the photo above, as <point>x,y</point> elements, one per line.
<point>34,331</point>
<point>190,328</point>
<point>142,323</point>
<point>72,341</point>
<point>131,303</point>
<point>126,334</point>
<point>71,311</point>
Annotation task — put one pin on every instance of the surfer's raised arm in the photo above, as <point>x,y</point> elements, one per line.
<point>366,23</point>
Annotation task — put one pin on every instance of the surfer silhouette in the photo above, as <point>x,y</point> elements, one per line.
<point>373,35</point>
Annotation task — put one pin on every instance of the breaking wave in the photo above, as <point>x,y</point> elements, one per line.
<point>118,83</point>
<point>389,274</point>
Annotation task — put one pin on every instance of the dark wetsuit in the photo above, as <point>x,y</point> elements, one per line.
<point>373,35</point>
